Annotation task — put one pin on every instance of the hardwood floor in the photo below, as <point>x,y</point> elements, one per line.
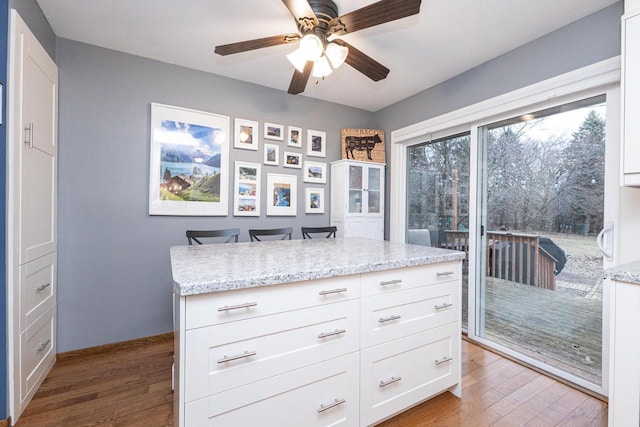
<point>132,387</point>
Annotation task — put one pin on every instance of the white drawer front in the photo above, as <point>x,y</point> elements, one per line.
<point>397,314</point>
<point>401,373</point>
<point>226,356</point>
<point>386,281</point>
<point>37,349</point>
<point>229,306</point>
<point>37,288</point>
<point>290,399</point>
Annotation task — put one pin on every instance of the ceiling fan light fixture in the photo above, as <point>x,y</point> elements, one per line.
<point>336,54</point>
<point>312,46</point>
<point>321,68</point>
<point>298,59</point>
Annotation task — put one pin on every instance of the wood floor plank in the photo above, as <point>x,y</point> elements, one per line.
<point>131,386</point>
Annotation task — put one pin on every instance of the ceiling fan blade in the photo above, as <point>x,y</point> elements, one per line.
<point>363,62</point>
<point>301,10</point>
<point>299,80</point>
<point>232,48</point>
<point>374,14</point>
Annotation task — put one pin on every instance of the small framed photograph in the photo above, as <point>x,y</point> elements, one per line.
<point>246,189</point>
<point>271,154</point>
<point>292,160</point>
<point>315,172</point>
<point>316,143</point>
<point>246,134</point>
<point>294,137</point>
<point>314,200</point>
<point>281,194</point>
<point>273,131</point>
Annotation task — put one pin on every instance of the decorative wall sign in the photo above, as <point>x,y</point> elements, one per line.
<point>315,172</point>
<point>271,154</point>
<point>189,162</point>
<point>295,137</point>
<point>246,134</point>
<point>281,195</point>
<point>273,131</point>
<point>366,145</point>
<point>316,143</point>
<point>314,200</point>
<point>246,189</point>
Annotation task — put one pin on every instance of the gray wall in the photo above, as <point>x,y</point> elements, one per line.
<point>32,15</point>
<point>587,41</point>
<point>114,277</point>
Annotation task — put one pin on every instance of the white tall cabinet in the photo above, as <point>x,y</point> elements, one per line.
<point>32,217</point>
<point>357,198</point>
<point>631,94</point>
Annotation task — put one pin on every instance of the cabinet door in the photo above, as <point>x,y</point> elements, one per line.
<point>356,185</point>
<point>374,190</point>
<point>35,139</point>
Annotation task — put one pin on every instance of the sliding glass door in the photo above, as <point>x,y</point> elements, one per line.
<point>539,271</point>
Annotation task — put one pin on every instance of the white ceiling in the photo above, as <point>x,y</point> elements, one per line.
<point>447,38</point>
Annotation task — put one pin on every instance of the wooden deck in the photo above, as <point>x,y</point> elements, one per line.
<point>561,330</point>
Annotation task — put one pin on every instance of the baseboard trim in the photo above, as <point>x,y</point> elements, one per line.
<point>113,347</point>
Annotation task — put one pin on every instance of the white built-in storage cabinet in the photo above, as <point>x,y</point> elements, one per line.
<point>32,241</point>
<point>631,95</point>
<point>341,351</point>
<point>357,198</point>
<point>624,347</point>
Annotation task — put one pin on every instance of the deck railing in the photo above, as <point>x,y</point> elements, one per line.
<point>517,257</point>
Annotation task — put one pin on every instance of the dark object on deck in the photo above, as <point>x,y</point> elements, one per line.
<point>555,251</point>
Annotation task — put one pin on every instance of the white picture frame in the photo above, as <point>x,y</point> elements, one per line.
<point>273,131</point>
<point>202,139</point>
<point>246,189</point>
<point>292,160</point>
<point>282,195</point>
<point>245,134</point>
<point>314,200</point>
<point>294,137</point>
<point>271,154</point>
<point>315,172</point>
<point>316,143</point>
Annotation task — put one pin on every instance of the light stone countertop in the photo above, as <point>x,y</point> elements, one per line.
<point>629,272</point>
<point>200,269</point>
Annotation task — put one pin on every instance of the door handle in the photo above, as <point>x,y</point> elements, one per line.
<point>605,240</point>
<point>28,134</point>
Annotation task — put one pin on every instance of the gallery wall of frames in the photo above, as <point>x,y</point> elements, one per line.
<point>191,171</point>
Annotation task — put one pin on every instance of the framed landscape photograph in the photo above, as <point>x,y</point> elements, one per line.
<point>246,134</point>
<point>316,143</point>
<point>271,154</point>
<point>246,189</point>
<point>292,160</point>
<point>315,172</point>
<point>273,131</point>
<point>281,194</point>
<point>294,137</point>
<point>314,200</point>
<point>189,167</point>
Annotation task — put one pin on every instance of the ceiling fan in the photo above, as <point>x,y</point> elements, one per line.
<point>319,50</point>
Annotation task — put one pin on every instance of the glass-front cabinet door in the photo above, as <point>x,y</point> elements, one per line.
<point>373,191</point>
<point>356,188</point>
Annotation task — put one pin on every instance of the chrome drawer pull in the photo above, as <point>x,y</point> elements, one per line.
<point>235,307</point>
<point>441,306</point>
<point>388,319</point>
<point>445,273</point>
<point>333,291</point>
<point>236,357</point>
<point>336,402</point>
<point>391,282</point>
<point>443,360</point>
<point>391,381</point>
<point>42,287</point>
<point>330,334</point>
<point>42,346</point>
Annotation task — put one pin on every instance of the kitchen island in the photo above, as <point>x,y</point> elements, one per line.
<point>312,332</point>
